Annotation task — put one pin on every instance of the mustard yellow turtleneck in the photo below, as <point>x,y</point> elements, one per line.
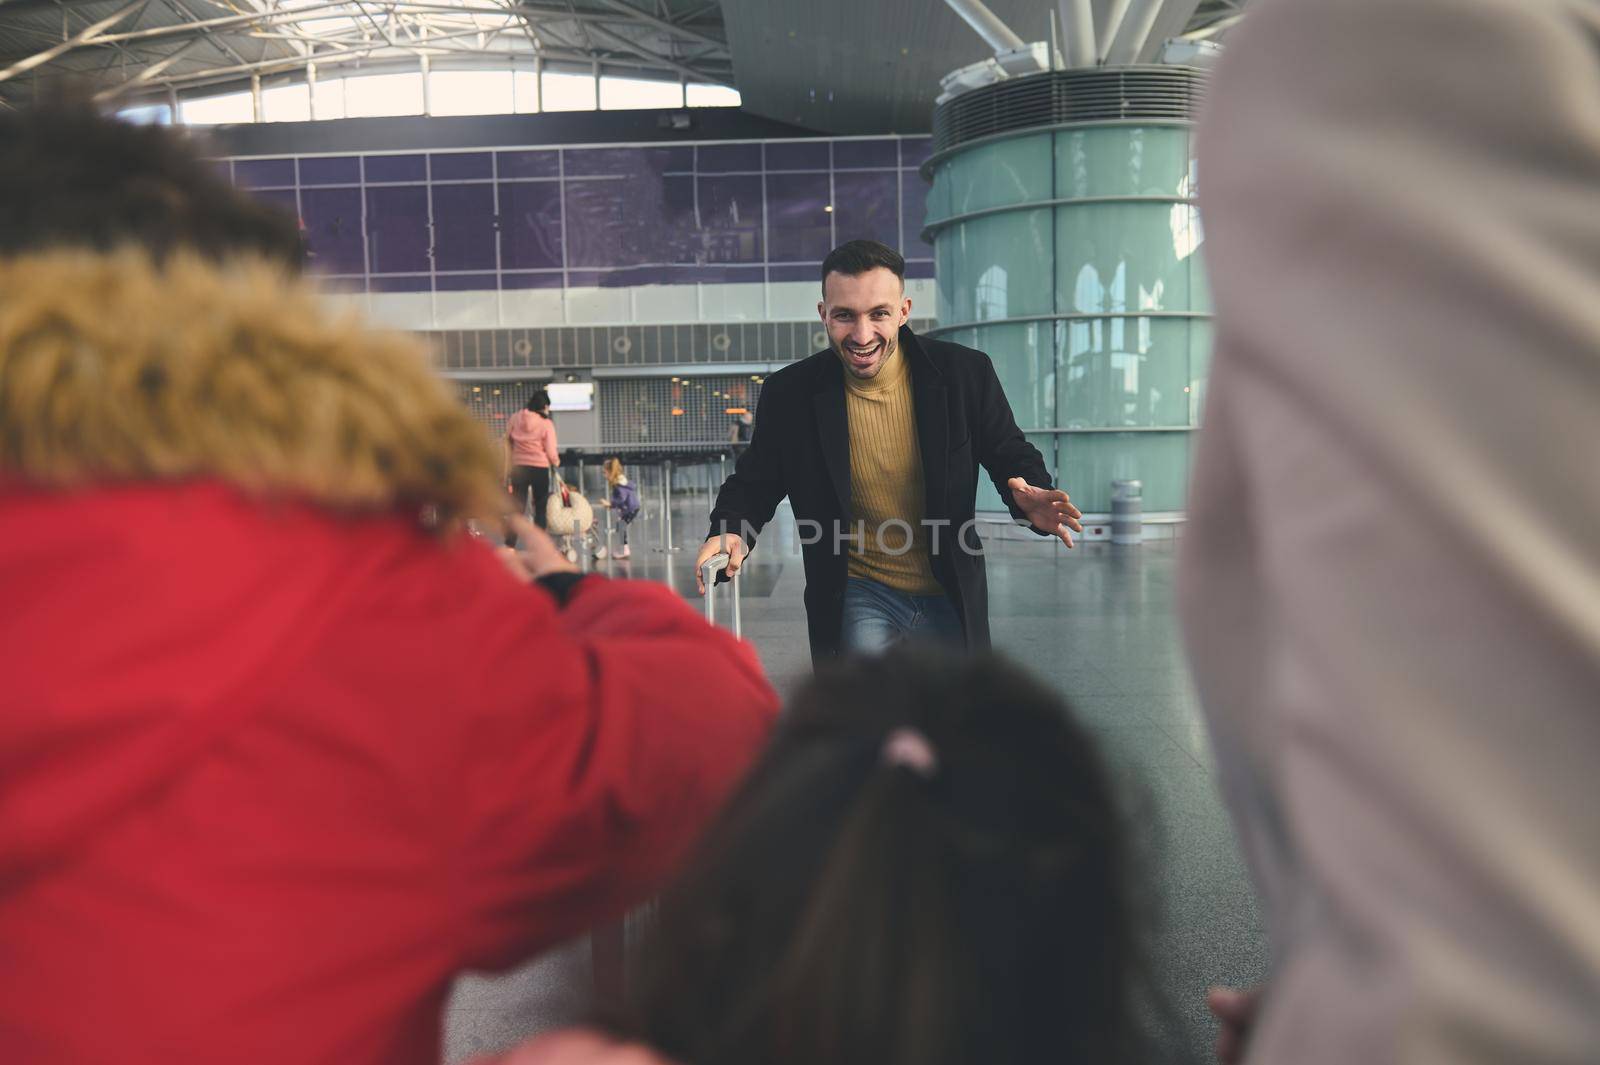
<point>886,481</point>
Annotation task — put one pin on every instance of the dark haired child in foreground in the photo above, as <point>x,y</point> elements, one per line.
<point>926,867</point>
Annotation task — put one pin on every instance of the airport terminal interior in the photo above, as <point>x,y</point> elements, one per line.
<point>1097,623</point>
<point>626,202</point>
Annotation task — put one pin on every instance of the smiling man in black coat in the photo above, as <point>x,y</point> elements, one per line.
<point>877,442</point>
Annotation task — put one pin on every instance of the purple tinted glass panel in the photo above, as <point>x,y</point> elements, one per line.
<point>528,164</point>
<point>464,283</point>
<point>730,219</point>
<point>461,166</point>
<point>676,236</point>
<point>263,173</point>
<point>396,168</point>
<point>913,215</point>
<point>867,206</point>
<point>678,159</point>
<point>797,155</point>
<point>530,224</point>
<point>918,269</point>
<point>283,199</point>
<point>728,158</point>
<point>223,167</point>
<point>798,229</point>
<point>512,281</point>
<point>796,272</point>
<point>331,170</point>
<point>612,223</point>
<point>615,162</point>
<point>402,284</point>
<point>333,230</point>
<point>865,155</point>
<point>463,227</point>
<point>397,229</point>
<point>718,274</point>
<point>914,151</point>
<point>601,229</point>
<point>632,275</point>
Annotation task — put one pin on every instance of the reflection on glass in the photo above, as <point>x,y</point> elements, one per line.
<point>1016,243</point>
<point>992,294</point>
<point>1121,161</point>
<point>1090,462</point>
<point>1106,382</point>
<point>1006,172</point>
<point>1105,364</point>
<point>1130,243</point>
<point>722,213</point>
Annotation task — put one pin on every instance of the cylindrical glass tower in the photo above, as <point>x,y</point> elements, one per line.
<point>1063,220</point>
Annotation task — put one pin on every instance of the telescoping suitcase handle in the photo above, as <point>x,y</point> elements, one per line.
<point>708,571</point>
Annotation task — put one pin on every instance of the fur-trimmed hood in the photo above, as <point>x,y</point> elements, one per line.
<point>114,368</point>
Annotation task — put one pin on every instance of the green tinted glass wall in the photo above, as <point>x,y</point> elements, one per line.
<point>1071,256</point>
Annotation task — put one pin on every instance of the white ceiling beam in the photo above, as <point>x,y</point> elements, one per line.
<point>663,24</point>
<point>149,73</point>
<point>88,33</point>
<point>1108,28</point>
<point>220,42</point>
<point>986,24</point>
<point>671,64</point>
<point>365,54</point>
<point>1172,20</point>
<point>1211,29</point>
<point>1077,23</point>
<point>1132,32</point>
<point>304,14</point>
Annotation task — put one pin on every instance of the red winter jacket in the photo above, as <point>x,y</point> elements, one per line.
<point>270,778</point>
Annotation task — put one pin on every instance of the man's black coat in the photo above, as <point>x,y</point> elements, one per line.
<point>801,449</point>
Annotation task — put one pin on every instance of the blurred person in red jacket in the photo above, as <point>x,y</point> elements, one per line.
<point>282,750</point>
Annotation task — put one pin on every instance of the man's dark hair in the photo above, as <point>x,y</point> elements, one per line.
<point>855,257</point>
<point>854,909</point>
<point>539,400</point>
<point>72,177</point>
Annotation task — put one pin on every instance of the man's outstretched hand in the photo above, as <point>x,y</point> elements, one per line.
<point>1047,509</point>
<point>729,542</point>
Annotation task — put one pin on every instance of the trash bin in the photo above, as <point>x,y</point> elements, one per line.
<point>1127,512</point>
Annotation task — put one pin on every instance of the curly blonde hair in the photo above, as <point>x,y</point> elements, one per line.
<point>116,367</point>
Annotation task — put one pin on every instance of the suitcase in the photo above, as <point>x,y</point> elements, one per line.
<point>708,572</point>
<point>608,945</point>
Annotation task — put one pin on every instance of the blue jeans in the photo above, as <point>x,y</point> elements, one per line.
<point>876,617</point>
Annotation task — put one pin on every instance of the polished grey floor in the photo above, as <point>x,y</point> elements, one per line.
<point>1098,623</point>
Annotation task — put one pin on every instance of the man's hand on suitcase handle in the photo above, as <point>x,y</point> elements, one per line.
<point>730,543</point>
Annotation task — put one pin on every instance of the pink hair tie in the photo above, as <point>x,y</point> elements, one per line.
<point>910,748</point>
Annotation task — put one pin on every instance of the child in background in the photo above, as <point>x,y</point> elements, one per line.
<point>926,867</point>
<point>624,499</point>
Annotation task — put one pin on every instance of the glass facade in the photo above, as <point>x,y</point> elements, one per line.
<point>608,216</point>
<point>1071,257</point>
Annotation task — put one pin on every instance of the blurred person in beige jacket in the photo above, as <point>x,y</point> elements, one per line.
<point>1391,583</point>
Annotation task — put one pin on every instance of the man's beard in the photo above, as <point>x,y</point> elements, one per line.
<point>885,351</point>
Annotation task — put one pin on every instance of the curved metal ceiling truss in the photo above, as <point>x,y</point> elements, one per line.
<point>130,51</point>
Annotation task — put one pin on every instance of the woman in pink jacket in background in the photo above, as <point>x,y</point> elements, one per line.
<point>530,449</point>
<point>926,867</point>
